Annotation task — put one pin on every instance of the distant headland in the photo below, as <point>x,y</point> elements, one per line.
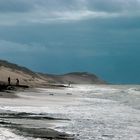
<point>22,76</point>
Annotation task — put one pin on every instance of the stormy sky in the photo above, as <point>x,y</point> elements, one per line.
<point>60,36</point>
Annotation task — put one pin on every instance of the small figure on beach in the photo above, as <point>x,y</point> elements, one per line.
<point>17,81</point>
<point>9,80</point>
<point>69,84</point>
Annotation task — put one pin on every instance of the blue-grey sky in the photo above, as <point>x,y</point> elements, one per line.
<point>59,36</point>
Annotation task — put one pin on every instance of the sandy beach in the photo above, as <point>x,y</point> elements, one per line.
<point>35,124</point>
<point>81,112</point>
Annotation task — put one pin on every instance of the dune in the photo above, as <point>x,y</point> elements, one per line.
<point>35,79</point>
<point>24,78</point>
<point>75,78</point>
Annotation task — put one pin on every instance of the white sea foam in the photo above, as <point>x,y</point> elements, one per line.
<point>96,112</point>
<point>6,134</point>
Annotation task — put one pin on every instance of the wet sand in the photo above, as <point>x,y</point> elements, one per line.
<point>81,113</point>
<point>8,94</point>
<point>31,125</point>
<point>34,125</point>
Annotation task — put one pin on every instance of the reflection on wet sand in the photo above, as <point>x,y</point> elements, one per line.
<point>33,125</point>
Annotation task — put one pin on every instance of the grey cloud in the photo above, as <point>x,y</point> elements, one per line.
<point>14,47</point>
<point>99,5</point>
<point>30,48</point>
<point>32,5</point>
<point>93,5</point>
<point>114,5</point>
<point>15,6</point>
<point>13,12</point>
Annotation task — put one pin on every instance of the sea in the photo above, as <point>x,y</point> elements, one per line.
<point>87,112</point>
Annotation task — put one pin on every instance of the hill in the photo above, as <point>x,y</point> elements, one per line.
<point>31,78</point>
<point>25,76</point>
<point>74,78</point>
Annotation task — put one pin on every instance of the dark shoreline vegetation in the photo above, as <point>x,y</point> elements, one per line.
<point>9,88</point>
<point>12,87</point>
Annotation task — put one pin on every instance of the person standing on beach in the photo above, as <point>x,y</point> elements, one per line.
<point>9,80</point>
<point>17,81</point>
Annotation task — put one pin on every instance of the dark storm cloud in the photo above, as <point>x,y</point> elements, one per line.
<point>92,5</point>
<point>69,35</point>
<point>114,5</point>
<point>45,11</point>
<point>15,6</point>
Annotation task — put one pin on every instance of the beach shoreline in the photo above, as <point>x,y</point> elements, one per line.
<point>17,123</point>
<point>79,112</point>
<point>7,118</point>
